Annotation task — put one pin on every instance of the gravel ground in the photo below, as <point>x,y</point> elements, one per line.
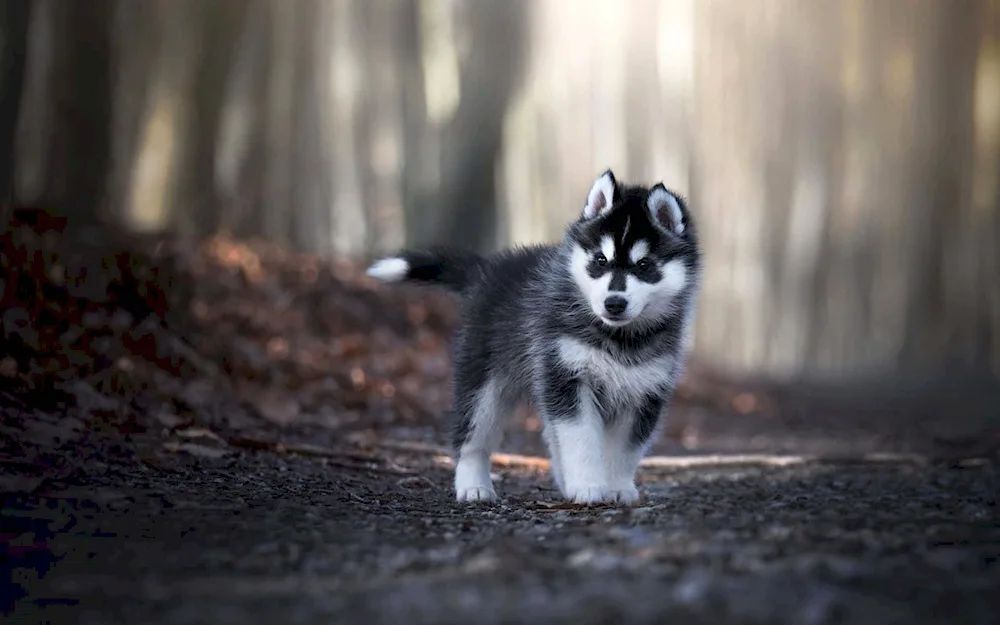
<point>201,436</point>
<point>283,538</point>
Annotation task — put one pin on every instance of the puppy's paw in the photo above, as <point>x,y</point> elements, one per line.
<point>627,494</point>
<point>587,494</point>
<point>476,493</point>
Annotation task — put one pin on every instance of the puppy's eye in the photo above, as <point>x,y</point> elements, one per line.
<point>600,259</point>
<point>643,264</point>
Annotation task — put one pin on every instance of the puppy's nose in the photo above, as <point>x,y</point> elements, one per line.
<point>615,305</point>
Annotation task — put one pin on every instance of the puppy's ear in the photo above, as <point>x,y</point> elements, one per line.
<point>601,196</point>
<point>666,209</point>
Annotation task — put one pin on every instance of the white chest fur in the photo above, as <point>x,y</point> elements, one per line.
<point>621,382</point>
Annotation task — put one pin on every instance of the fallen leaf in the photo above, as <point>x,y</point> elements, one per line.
<point>168,419</point>
<point>195,449</point>
<point>196,432</point>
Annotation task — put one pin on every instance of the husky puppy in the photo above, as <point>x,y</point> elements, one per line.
<point>592,331</point>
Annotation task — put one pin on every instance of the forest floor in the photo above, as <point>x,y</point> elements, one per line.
<point>232,434</point>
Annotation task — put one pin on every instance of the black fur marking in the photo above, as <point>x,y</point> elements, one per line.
<point>467,384</point>
<point>645,420</point>
<point>460,423</point>
<point>650,274</point>
<point>609,411</point>
<point>595,268</point>
<point>617,281</point>
<point>560,391</point>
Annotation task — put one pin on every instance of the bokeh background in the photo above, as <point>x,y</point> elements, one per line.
<point>209,413</point>
<point>842,158</point>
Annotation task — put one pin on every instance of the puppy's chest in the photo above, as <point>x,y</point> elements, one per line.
<point>614,378</point>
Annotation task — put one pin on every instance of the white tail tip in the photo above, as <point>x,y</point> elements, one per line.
<point>389,269</point>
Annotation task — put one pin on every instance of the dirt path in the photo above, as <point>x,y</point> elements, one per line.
<point>183,440</point>
<point>266,538</point>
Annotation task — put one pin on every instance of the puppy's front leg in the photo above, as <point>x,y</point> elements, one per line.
<point>574,432</point>
<point>580,437</point>
<point>581,447</point>
<point>626,443</point>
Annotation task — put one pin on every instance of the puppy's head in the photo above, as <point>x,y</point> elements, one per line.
<point>633,252</point>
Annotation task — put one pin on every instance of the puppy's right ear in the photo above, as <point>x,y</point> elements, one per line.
<point>601,197</point>
<point>666,209</point>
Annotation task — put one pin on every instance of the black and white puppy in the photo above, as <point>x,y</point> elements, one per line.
<point>593,332</point>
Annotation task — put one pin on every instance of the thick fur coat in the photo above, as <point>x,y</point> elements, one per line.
<point>592,332</point>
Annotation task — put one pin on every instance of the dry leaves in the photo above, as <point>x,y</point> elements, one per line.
<point>209,344</point>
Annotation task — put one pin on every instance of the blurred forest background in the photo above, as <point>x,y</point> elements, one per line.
<point>842,158</point>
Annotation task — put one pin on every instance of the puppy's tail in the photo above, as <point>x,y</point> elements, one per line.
<point>453,269</point>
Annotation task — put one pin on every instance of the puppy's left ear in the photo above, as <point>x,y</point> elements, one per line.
<point>601,197</point>
<point>667,209</point>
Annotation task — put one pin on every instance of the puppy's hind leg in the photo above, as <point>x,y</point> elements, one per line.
<point>555,462</point>
<point>478,433</point>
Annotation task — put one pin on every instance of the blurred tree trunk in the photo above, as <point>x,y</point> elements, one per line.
<point>277,154</point>
<point>218,24</point>
<point>138,42</point>
<point>348,49</point>
<point>389,29</point>
<point>284,180</point>
<point>987,184</point>
<point>823,259</point>
<point>79,92</point>
<point>733,153</point>
<point>157,189</point>
<point>172,178</point>
<point>640,92</point>
<point>418,153</point>
<point>464,211</point>
<point>243,143</point>
<point>15,16</point>
<point>310,165</point>
<point>942,317</point>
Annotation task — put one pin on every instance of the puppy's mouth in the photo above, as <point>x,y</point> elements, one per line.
<point>616,321</point>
